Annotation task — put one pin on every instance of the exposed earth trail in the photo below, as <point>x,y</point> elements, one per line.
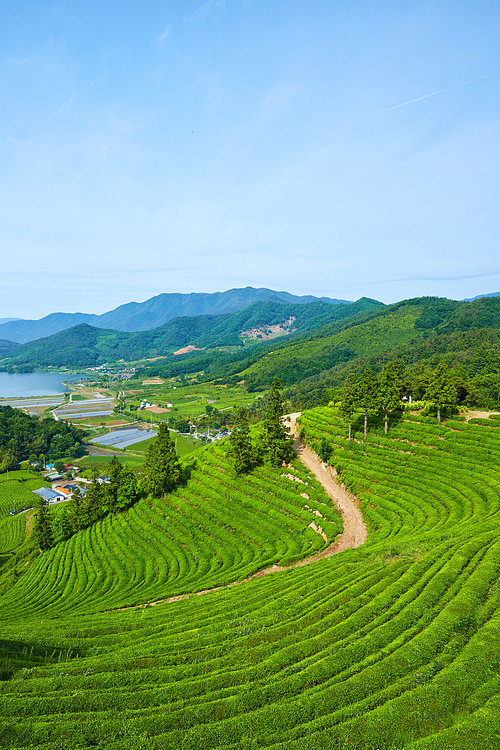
<point>354,534</point>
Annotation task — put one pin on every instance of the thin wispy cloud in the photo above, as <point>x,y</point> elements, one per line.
<point>206,8</point>
<point>148,190</point>
<point>401,279</point>
<point>426,96</point>
<point>160,39</point>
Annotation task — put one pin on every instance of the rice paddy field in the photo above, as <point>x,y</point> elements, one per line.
<point>124,438</point>
<point>392,645</point>
<point>186,400</point>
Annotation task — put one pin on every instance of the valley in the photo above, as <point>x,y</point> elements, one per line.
<point>345,598</point>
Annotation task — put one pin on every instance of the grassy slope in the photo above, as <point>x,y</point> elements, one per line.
<point>391,645</point>
<point>214,530</point>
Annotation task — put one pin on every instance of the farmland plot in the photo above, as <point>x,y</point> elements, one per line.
<point>391,645</point>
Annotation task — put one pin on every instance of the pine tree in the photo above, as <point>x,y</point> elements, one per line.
<point>276,439</point>
<point>348,404</point>
<point>388,391</point>
<point>128,490</point>
<point>366,394</point>
<point>162,470</point>
<point>77,511</point>
<point>441,391</point>
<point>43,526</point>
<point>112,489</point>
<point>94,501</point>
<point>240,449</point>
<point>62,526</point>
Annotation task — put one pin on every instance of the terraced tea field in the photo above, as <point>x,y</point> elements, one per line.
<point>391,645</point>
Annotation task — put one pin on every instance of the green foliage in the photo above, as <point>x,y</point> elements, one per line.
<point>367,394</point>
<point>276,438</point>
<point>240,449</point>
<point>85,346</point>
<point>22,435</point>
<point>43,533</point>
<point>389,390</point>
<point>390,645</point>
<point>348,398</point>
<point>441,390</point>
<point>162,470</point>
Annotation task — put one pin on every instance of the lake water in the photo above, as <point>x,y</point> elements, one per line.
<point>33,383</point>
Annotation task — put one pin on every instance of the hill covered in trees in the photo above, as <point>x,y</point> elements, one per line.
<point>23,437</point>
<point>318,346</point>
<point>87,346</point>
<point>154,312</point>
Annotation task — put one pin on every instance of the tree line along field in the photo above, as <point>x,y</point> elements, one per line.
<point>391,645</point>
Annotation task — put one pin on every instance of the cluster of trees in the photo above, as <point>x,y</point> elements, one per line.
<point>24,437</point>
<point>83,510</point>
<point>382,394</point>
<point>275,443</point>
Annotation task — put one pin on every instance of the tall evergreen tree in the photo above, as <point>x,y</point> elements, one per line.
<point>162,470</point>
<point>62,526</point>
<point>240,448</point>
<point>128,490</point>
<point>94,501</point>
<point>277,441</point>
<point>367,395</point>
<point>77,510</point>
<point>349,399</point>
<point>441,391</point>
<point>43,533</point>
<point>112,489</point>
<point>388,391</point>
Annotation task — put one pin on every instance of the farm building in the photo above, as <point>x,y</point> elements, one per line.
<point>48,494</point>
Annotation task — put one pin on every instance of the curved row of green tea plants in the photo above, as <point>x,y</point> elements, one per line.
<point>18,493</point>
<point>392,645</point>
<point>215,530</point>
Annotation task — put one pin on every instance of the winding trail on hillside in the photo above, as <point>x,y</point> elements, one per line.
<point>354,534</point>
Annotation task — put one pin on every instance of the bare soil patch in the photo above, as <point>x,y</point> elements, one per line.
<point>187,349</point>
<point>480,414</point>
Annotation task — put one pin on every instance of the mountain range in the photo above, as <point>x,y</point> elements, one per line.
<point>86,346</point>
<point>154,312</point>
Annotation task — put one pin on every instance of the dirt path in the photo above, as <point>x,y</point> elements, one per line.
<point>354,534</point>
<point>480,414</point>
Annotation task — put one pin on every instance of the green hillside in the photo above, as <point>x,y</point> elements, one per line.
<point>391,645</point>
<point>87,346</point>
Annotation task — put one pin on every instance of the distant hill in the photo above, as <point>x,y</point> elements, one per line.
<point>427,328</point>
<point>85,346</point>
<point>7,346</point>
<point>479,296</point>
<point>143,316</point>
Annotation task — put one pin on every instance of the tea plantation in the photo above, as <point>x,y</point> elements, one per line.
<point>392,645</point>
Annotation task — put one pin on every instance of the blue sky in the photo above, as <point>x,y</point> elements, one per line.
<point>329,148</point>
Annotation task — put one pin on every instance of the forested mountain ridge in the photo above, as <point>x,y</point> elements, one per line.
<point>415,331</point>
<point>87,346</point>
<point>322,344</point>
<point>142,316</point>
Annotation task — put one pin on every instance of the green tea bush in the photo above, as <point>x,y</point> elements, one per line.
<point>390,645</point>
